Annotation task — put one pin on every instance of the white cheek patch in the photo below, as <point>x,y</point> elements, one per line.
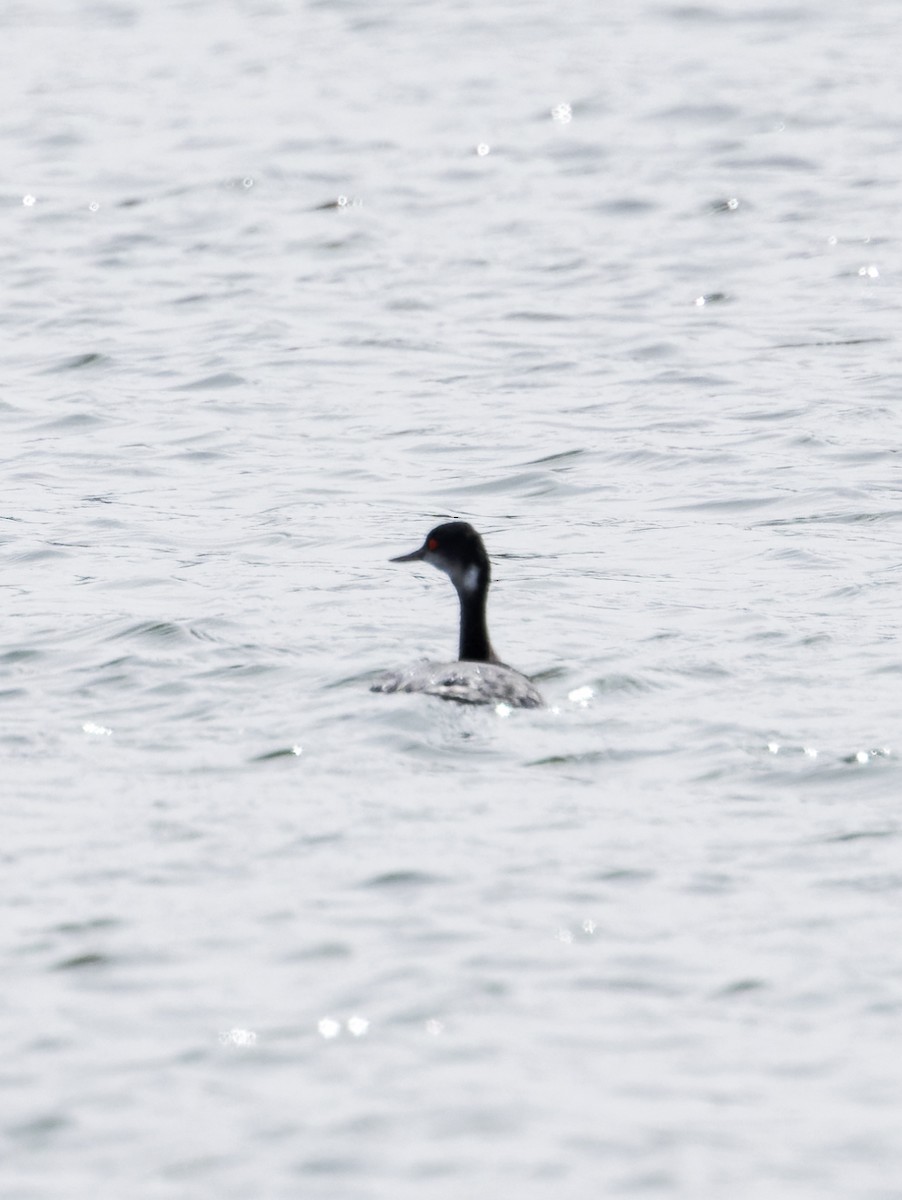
<point>470,581</point>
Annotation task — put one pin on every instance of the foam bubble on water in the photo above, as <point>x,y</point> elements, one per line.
<point>238,1037</point>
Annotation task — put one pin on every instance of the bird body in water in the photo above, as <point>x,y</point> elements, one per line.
<point>479,676</point>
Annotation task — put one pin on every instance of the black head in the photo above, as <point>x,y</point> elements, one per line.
<point>456,549</point>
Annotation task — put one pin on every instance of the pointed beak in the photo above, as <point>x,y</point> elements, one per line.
<point>417,554</point>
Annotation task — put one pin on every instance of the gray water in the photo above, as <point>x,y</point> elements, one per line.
<point>285,284</point>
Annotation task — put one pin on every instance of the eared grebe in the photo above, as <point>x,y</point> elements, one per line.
<point>479,677</point>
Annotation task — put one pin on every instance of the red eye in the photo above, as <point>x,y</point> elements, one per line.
<point>432,544</point>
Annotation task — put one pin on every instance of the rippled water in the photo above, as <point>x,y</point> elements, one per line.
<point>282,286</point>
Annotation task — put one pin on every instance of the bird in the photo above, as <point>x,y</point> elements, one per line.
<point>479,676</point>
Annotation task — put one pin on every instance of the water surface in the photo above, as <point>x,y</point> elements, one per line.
<point>285,285</point>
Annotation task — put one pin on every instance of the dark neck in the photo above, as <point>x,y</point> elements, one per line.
<point>474,635</point>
